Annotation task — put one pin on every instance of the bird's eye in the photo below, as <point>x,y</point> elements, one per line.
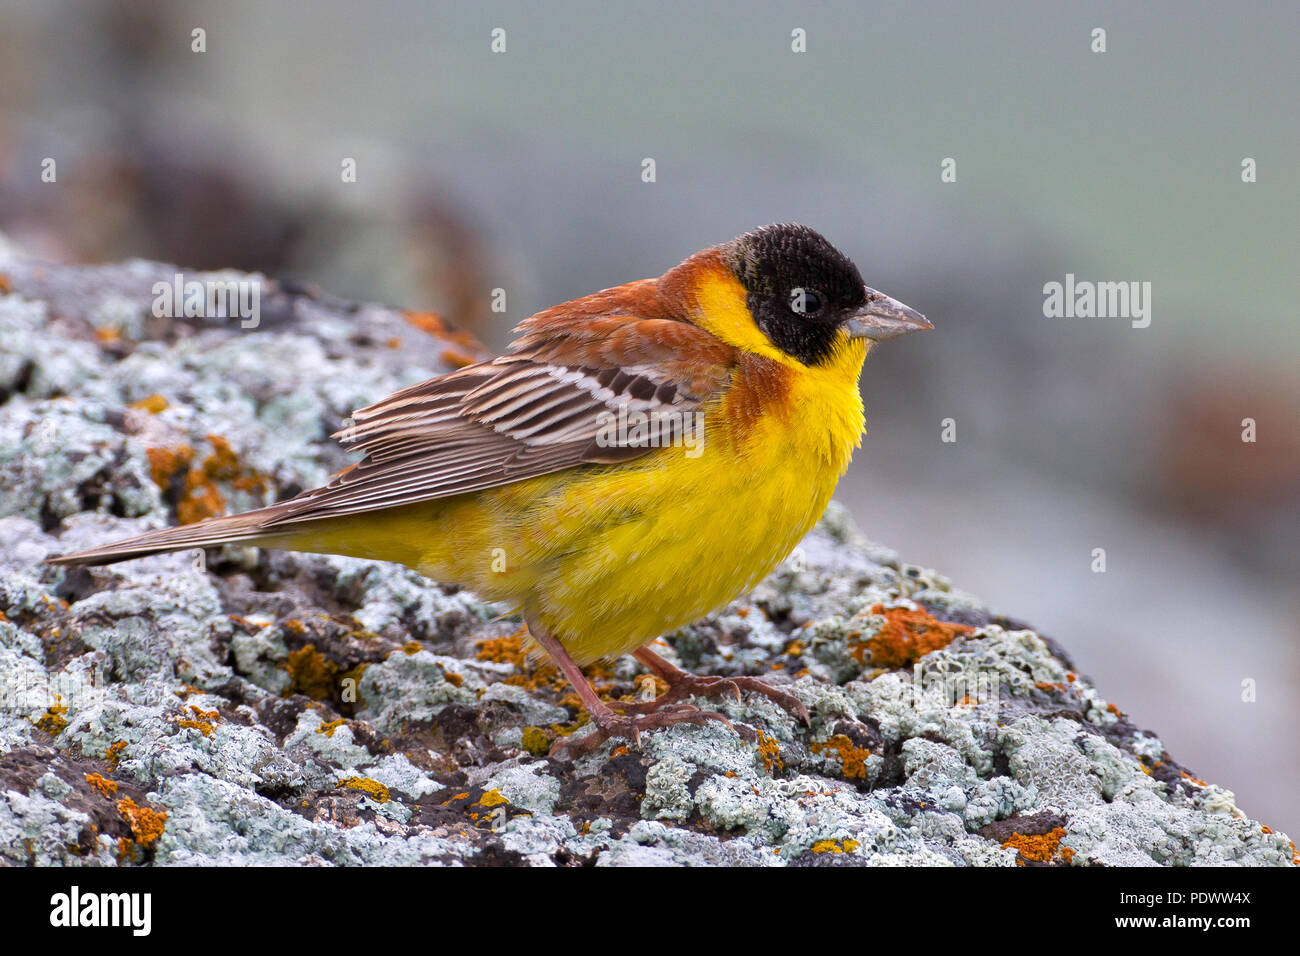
<point>805,301</point>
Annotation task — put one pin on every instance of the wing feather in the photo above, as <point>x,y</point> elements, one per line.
<point>536,410</point>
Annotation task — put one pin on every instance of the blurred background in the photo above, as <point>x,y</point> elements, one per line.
<point>522,170</point>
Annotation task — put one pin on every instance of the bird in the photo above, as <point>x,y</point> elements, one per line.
<point>634,460</point>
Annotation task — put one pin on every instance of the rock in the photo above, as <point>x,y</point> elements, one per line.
<point>240,707</point>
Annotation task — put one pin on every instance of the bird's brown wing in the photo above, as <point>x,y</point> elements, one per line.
<point>536,410</point>
<point>544,407</point>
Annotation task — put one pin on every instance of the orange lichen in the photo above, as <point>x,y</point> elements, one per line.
<point>202,726</point>
<point>165,462</point>
<point>114,752</point>
<point>905,638</point>
<point>146,823</point>
<point>153,404</point>
<point>328,728</point>
<point>544,675</point>
<point>770,753</point>
<point>311,673</point>
<point>200,498</point>
<point>503,650</point>
<point>835,846</point>
<point>1039,848</point>
<point>1187,776</point>
<point>491,798</point>
<point>100,783</point>
<point>371,788</point>
<point>601,670</point>
<point>223,464</point>
<point>853,760</point>
<point>533,675</point>
<point>199,503</point>
<point>547,676</point>
<point>53,721</point>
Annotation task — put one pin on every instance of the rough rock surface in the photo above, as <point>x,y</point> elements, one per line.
<point>246,707</point>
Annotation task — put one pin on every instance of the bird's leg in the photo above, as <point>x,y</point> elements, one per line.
<point>682,684</point>
<point>609,724</point>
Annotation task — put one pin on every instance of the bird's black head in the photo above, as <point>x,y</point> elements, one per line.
<point>801,289</point>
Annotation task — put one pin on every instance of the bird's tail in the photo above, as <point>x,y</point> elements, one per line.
<point>250,526</point>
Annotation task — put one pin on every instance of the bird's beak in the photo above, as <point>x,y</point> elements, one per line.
<point>884,318</point>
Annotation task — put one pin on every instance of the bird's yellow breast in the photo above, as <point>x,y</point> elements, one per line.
<point>607,558</point>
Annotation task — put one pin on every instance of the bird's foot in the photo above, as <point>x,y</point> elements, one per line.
<point>664,711</point>
<point>629,727</point>
<point>683,684</point>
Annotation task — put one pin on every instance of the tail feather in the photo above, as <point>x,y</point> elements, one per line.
<point>212,532</point>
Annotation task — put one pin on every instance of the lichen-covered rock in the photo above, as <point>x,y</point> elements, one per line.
<point>241,707</point>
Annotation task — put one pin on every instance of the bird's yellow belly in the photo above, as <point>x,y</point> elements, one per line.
<point>702,534</point>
